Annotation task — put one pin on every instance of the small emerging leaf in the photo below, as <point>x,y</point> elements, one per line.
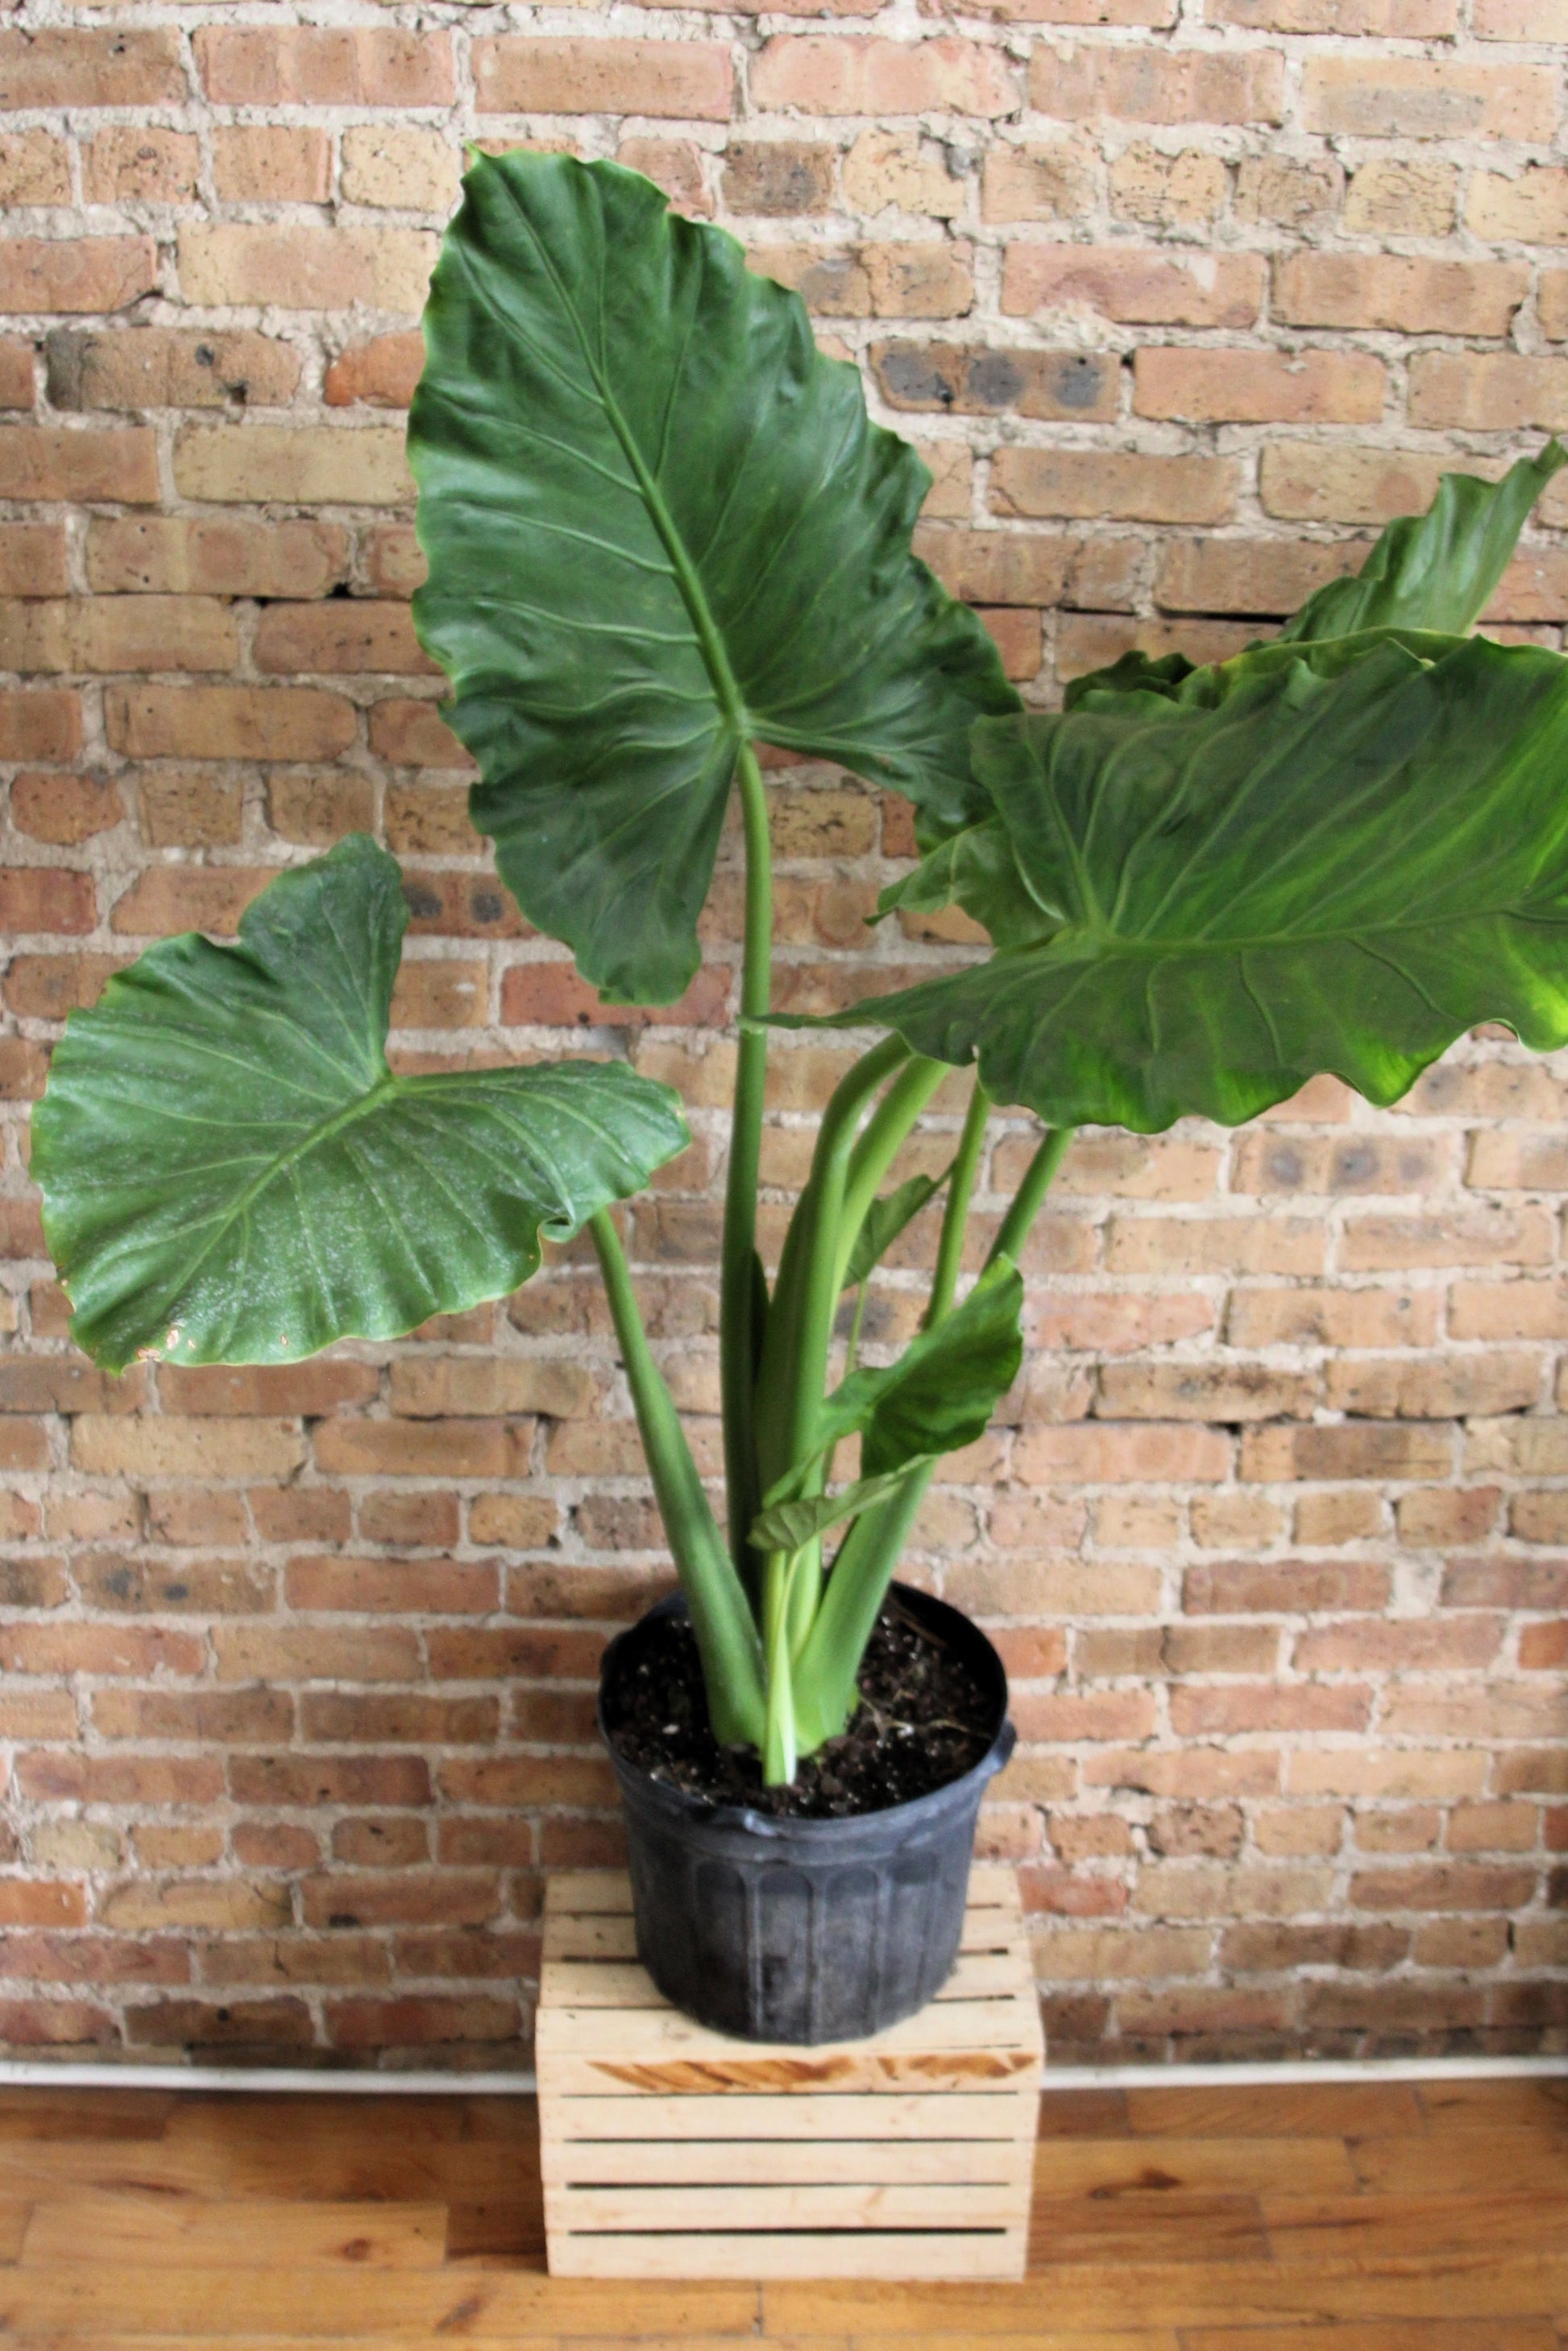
<point>975,869</point>
<point>940,1394</point>
<point>232,1174</point>
<point>1435,571</point>
<point>884,1220</point>
<point>791,1526</point>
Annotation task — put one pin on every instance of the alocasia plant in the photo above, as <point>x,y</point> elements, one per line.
<point>661,532</point>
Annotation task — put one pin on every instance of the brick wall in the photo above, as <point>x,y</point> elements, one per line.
<point>1180,297</point>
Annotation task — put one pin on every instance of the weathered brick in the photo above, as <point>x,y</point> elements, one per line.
<point>89,273</point>
<point>382,373</point>
<point>1414,296</point>
<point>118,633</point>
<point>777,176</point>
<point>309,464</point>
<point>1142,83</point>
<point>54,461</point>
<point>227,722</point>
<point>1259,387</point>
<point>32,559</point>
<point>35,168</point>
<point>50,68</point>
<point>1042,483</point>
<point>1141,287</point>
<point>978,381</point>
<point>541,75</point>
<point>1416,98</point>
<point>298,268</point>
<point>168,367</point>
<point>1186,190</point>
<point>137,163</point>
<point>171,555</point>
<point>1305,481</point>
<point>271,163</point>
<point>310,65</point>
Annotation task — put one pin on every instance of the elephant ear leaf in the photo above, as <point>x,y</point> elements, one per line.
<point>1336,867</point>
<point>660,525</point>
<point>1435,570</point>
<point>232,1173</point>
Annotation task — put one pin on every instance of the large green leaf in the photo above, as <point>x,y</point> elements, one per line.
<point>659,524</point>
<point>1341,864</point>
<point>937,1396</point>
<point>1435,571</point>
<point>232,1174</point>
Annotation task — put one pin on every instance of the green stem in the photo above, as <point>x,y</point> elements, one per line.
<point>739,1338</point>
<point>799,1328</point>
<point>721,1616</point>
<point>830,1659</point>
<point>1015,1224</point>
<point>827,1662</point>
<point>956,1216</point>
<point>779,1753</point>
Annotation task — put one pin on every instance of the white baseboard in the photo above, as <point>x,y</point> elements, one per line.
<point>34,2074</point>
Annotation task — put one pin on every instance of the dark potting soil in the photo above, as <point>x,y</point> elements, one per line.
<point>922,1721</point>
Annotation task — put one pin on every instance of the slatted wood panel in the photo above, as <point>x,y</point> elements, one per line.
<point>671,2151</point>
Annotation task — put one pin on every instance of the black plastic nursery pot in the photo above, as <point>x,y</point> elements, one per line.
<point>806,1930</point>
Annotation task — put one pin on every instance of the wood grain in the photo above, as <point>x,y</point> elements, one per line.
<point>1164,2220</point>
<point>677,2188</point>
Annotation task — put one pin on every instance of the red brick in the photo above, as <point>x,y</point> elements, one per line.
<point>827,74</point>
<point>1146,83</point>
<point>227,722</point>
<point>39,723</point>
<point>382,373</point>
<point>310,65</point>
<point>337,637</point>
<point>541,75</point>
<point>32,559</point>
<point>412,735</point>
<point>1415,98</point>
<point>51,68</point>
<point>54,461</point>
<point>45,898</point>
<point>1121,487</point>
<point>171,555</point>
<point>270,163</point>
<point>1259,387</point>
<point>1412,295</point>
<point>83,273</point>
<point>1142,286</point>
<point>417,2020</point>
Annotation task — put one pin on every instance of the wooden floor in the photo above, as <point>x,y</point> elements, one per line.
<point>1379,2218</point>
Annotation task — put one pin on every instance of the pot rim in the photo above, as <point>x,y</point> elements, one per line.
<point>682,1805</point>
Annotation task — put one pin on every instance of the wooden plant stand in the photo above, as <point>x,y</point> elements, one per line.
<point>672,2151</point>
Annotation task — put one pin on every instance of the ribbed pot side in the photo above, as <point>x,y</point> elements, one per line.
<point>806,1930</point>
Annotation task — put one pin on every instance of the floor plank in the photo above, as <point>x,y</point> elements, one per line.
<point>189,2233</point>
<point>1108,2167</point>
<point>1381,2334</point>
<point>1525,2162</point>
<point>1358,2216</point>
<point>1277,2110</point>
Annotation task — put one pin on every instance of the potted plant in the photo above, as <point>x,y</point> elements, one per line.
<point>660,532</point>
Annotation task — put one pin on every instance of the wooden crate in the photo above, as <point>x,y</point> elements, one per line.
<point>672,2151</point>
